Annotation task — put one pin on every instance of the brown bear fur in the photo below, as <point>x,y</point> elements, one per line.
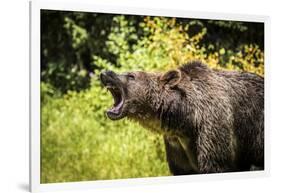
<point>211,120</point>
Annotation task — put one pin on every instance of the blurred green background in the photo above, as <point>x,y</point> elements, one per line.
<point>78,142</point>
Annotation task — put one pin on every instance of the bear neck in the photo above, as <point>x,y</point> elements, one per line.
<point>165,114</point>
<point>175,114</point>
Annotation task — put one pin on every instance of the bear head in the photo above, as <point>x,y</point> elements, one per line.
<point>139,92</point>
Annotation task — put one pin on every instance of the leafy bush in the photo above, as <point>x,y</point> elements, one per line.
<point>70,39</point>
<point>79,143</point>
<point>167,44</point>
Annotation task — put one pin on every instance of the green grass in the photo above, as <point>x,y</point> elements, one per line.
<point>79,143</point>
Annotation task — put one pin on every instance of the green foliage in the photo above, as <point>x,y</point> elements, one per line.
<point>69,40</point>
<point>78,142</point>
<point>78,34</point>
<point>168,44</point>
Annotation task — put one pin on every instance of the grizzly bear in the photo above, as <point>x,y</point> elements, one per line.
<point>212,120</point>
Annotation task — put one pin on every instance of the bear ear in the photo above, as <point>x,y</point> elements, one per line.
<point>171,78</point>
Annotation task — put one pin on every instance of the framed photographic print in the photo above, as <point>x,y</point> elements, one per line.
<point>126,96</point>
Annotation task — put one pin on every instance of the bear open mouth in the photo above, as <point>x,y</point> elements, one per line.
<point>111,81</point>
<point>116,109</point>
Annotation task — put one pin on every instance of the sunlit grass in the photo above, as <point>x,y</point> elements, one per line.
<point>80,143</point>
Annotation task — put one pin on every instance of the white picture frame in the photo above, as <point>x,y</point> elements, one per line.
<point>36,6</point>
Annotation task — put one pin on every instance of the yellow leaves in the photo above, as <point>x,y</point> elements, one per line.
<point>250,58</point>
<point>198,37</point>
<point>169,37</point>
<point>167,45</point>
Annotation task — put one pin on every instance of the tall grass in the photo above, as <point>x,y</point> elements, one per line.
<point>80,143</point>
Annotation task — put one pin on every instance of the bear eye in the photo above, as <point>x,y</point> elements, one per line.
<point>131,76</point>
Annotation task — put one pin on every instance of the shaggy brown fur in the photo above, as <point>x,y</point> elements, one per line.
<point>211,120</point>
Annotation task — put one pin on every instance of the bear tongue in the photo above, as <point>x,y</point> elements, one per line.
<point>116,109</point>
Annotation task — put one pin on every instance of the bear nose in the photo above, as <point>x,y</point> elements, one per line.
<point>105,75</point>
